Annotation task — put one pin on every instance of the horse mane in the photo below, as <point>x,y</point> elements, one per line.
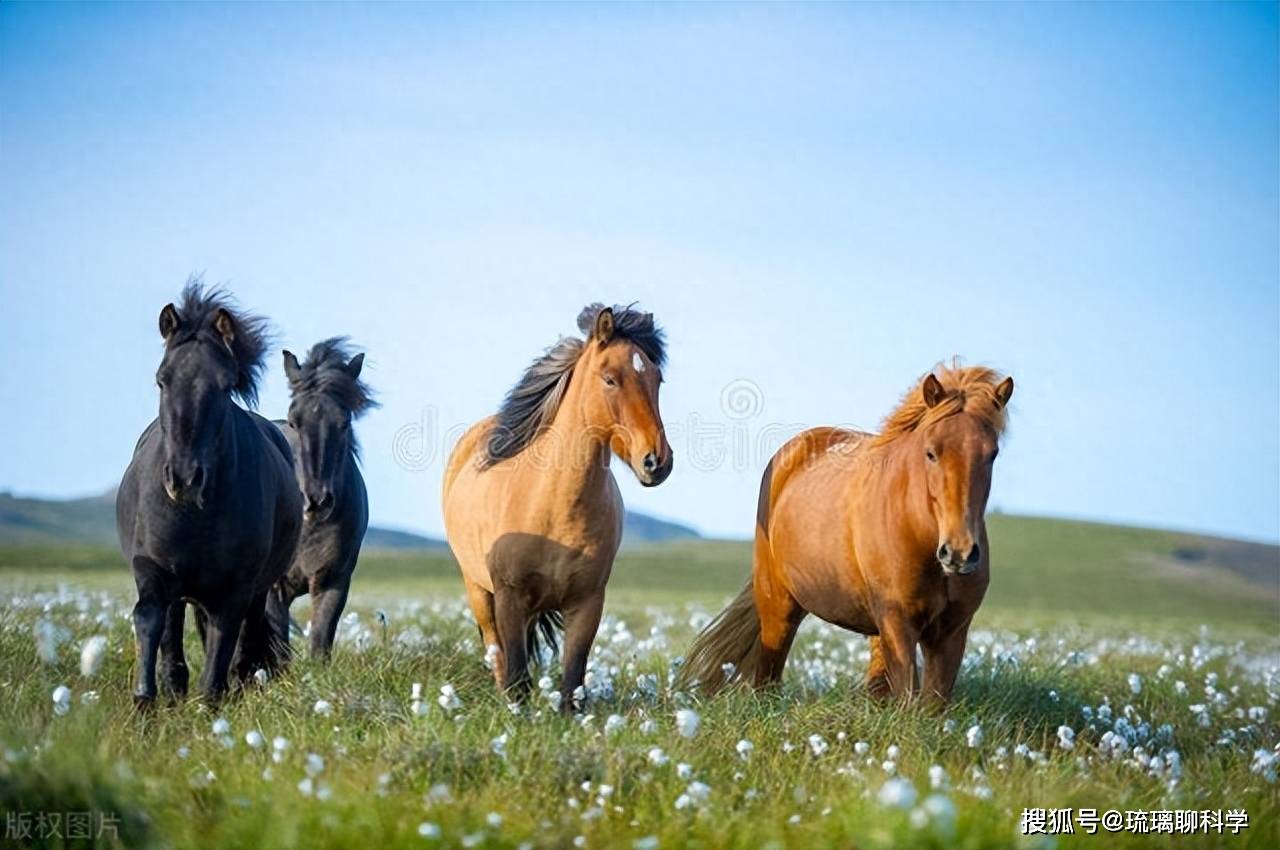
<point>197,309</point>
<point>325,371</point>
<point>968,389</point>
<point>531,405</point>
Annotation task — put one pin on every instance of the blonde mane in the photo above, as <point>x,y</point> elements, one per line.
<point>968,389</point>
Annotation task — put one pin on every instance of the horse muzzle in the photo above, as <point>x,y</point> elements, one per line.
<point>185,484</point>
<point>318,507</point>
<point>653,471</point>
<point>955,562</point>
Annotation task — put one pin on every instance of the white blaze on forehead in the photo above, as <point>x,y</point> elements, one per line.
<point>637,361</point>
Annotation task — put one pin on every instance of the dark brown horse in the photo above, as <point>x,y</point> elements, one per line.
<point>880,534</point>
<point>208,511</point>
<point>328,396</point>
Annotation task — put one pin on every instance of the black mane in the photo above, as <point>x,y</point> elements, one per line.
<point>197,309</point>
<point>532,403</point>
<point>325,371</point>
<point>632,325</point>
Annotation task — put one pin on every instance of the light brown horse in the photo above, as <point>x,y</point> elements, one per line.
<point>531,509</point>
<point>880,534</point>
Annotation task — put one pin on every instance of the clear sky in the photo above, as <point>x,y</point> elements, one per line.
<point>817,202</point>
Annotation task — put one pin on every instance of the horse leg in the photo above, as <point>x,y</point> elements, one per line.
<point>222,632</point>
<point>780,617</point>
<point>279,598</point>
<point>580,625</point>
<point>253,650</point>
<point>943,654</point>
<point>326,610</point>
<point>897,663</point>
<point>202,628</point>
<point>481,602</point>
<point>511,616</point>
<point>877,670</point>
<point>156,594</point>
<point>174,675</point>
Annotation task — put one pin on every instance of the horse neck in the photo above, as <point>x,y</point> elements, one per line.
<point>577,448</point>
<point>229,439</point>
<point>904,493</point>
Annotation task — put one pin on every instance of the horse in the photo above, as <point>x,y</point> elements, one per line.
<point>531,508</point>
<point>207,511</point>
<point>882,534</point>
<point>327,396</point>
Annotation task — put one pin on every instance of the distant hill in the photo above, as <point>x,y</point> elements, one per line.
<point>31,522</point>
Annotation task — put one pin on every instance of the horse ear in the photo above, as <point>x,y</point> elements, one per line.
<point>170,321</point>
<point>603,330</point>
<point>1004,392</point>
<point>292,370</point>
<point>932,390</point>
<point>354,365</point>
<point>225,326</point>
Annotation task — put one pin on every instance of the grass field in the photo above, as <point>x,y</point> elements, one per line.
<point>1155,651</point>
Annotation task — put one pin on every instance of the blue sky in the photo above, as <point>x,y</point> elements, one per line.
<point>817,202</point>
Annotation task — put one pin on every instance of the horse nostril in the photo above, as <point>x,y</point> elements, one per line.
<point>944,553</point>
<point>650,462</point>
<point>974,554</point>
<point>197,477</point>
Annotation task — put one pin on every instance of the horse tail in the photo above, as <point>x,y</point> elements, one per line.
<point>732,638</point>
<point>544,630</point>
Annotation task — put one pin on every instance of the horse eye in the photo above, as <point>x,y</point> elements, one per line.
<point>609,381</point>
<point>929,453</point>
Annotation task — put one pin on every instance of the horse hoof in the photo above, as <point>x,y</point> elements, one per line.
<point>144,704</point>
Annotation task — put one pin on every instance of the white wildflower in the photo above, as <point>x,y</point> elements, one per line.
<point>448,698</point>
<point>897,793</point>
<point>61,700</point>
<point>687,721</point>
<point>1066,737</point>
<point>694,795</point>
<point>91,655</point>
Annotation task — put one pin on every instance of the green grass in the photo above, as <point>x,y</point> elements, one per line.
<point>1073,610</point>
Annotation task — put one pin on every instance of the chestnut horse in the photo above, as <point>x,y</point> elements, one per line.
<point>531,509</point>
<point>880,534</point>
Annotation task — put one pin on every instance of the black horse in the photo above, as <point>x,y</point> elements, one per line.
<point>208,511</point>
<point>327,395</point>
